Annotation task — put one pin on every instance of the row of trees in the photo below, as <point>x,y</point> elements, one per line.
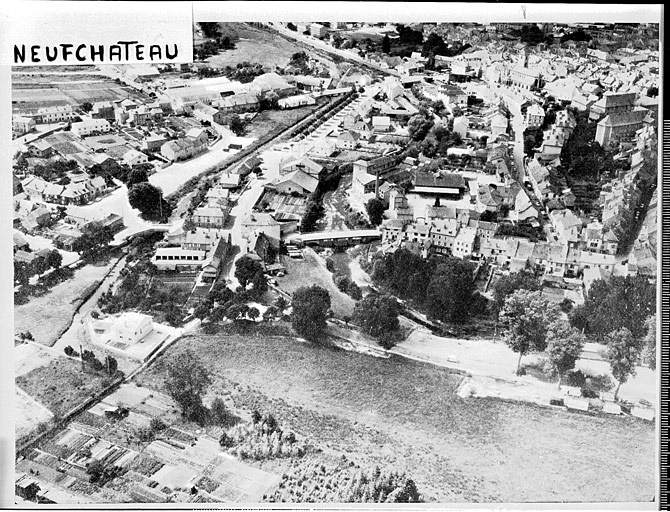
<point>532,324</point>
<point>110,364</point>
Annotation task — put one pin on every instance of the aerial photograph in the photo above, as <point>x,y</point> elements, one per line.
<point>340,262</point>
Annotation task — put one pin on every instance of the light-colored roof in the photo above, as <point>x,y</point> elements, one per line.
<point>302,179</point>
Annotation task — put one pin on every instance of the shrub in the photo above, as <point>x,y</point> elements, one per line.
<point>342,282</point>
<point>575,378</point>
<point>330,265</point>
<point>601,383</point>
<point>69,351</point>
<point>96,364</point>
<point>566,305</point>
<point>157,425</point>
<point>354,291</point>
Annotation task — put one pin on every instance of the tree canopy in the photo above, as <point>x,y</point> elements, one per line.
<point>508,284</point>
<point>614,303</point>
<point>187,380</point>
<point>622,352</point>
<point>377,315</point>
<point>147,199</point>
<point>310,311</point>
<point>375,208</point>
<point>450,292</point>
<point>525,318</point>
<point>564,347</point>
<point>419,126</point>
<point>246,268</point>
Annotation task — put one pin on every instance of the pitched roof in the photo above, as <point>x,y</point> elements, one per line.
<point>441,180</point>
<point>636,116</point>
<point>300,178</point>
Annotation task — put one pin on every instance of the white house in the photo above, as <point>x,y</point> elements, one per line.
<point>134,157</point>
<point>131,327</point>
<point>90,126</point>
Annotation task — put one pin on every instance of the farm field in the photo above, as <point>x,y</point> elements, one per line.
<point>311,271</point>
<point>30,92</point>
<point>47,316</point>
<point>405,415</point>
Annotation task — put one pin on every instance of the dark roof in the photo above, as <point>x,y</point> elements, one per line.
<point>443,179</point>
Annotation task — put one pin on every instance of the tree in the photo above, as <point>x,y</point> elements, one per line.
<point>157,425</point>
<point>386,44</point>
<point>292,27</point>
<point>375,208</point>
<point>53,259</point>
<point>219,412</point>
<point>310,311</point>
<point>377,315</point>
<point>87,106</point>
<point>136,176</point>
<point>622,352</point>
<point>186,381</point>
<point>418,127</point>
<point>202,310</point>
<point>281,304</point>
<point>253,313</point>
<point>615,303</point>
<point>270,313</point>
<point>145,197</point>
<point>210,29</point>
<point>235,124</point>
<point>237,312</point>
<point>649,355</point>
<point>111,364</point>
<point>564,347</point>
<point>354,291</point>
<point>259,283</point>
<point>450,291</point>
<point>525,317</point>
<point>246,269</point>
<point>508,284</point>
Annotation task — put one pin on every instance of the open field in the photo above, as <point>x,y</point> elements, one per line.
<point>268,121</point>
<point>28,413</point>
<point>30,92</point>
<point>61,384</point>
<point>405,415</point>
<point>310,271</point>
<point>46,317</point>
<point>255,46</point>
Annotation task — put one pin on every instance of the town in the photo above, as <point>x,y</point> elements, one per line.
<point>341,262</point>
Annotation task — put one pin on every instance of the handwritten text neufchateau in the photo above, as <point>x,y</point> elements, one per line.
<point>122,51</point>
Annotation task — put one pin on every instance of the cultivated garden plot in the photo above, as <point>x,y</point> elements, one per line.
<point>113,434</point>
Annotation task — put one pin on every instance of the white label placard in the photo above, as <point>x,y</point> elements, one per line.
<point>75,33</point>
